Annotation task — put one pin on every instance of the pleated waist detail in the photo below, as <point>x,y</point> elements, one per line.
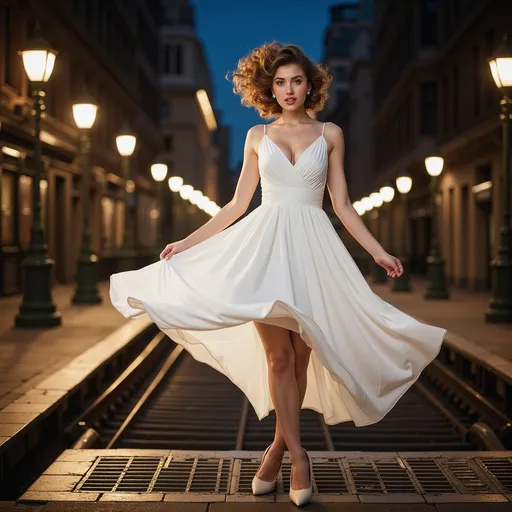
<point>302,196</point>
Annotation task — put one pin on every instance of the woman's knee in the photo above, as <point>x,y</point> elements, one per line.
<point>281,360</point>
<point>278,347</point>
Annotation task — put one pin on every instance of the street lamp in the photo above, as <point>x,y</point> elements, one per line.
<point>84,112</point>
<point>500,305</point>
<point>379,273</point>
<point>37,308</point>
<point>388,193</point>
<point>126,142</point>
<point>159,173</point>
<point>436,287</point>
<point>401,284</point>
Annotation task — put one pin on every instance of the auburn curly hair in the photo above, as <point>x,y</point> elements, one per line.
<point>252,79</point>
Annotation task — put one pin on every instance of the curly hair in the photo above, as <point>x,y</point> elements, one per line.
<point>252,79</point>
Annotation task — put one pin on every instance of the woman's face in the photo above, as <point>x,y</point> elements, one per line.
<point>290,86</point>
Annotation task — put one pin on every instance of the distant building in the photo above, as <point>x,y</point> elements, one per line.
<point>112,48</point>
<point>434,94</point>
<point>191,145</point>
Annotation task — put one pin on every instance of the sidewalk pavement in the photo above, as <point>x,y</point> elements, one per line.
<point>28,356</point>
<point>463,315</point>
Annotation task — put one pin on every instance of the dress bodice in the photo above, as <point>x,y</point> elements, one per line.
<point>302,182</point>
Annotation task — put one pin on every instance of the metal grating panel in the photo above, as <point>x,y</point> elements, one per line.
<point>430,476</point>
<point>500,470</point>
<point>342,475</point>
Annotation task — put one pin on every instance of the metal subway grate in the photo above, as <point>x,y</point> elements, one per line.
<point>499,470</point>
<point>189,474</point>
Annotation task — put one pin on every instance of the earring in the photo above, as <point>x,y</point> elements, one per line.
<point>309,92</point>
<point>273,96</point>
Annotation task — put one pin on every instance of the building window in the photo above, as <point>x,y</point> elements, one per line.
<point>446,105</point>
<point>455,96</point>
<point>340,74</point>
<point>477,66</point>
<point>173,59</point>
<point>169,143</point>
<point>428,22</point>
<point>428,108</point>
<point>166,109</point>
<point>7,210</point>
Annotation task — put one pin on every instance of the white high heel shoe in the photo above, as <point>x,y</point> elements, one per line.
<point>260,486</point>
<point>302,496</point>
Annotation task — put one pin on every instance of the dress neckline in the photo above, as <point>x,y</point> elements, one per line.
<point>300,156</point>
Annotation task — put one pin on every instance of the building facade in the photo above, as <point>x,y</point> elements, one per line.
<point>111,48</point>
<point>434,95</point>
<point>193,146</point>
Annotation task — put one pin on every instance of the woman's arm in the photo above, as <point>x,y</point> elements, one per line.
<point>246,186</point>
<point>337,187</point>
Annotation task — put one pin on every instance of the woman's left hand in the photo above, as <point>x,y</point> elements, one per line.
<point>392,265</point>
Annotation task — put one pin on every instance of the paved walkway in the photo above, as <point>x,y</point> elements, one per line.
<point>28,356</point>
<point>462,315</point>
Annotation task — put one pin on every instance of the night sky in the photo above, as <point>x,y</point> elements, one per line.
<point>234,30</point>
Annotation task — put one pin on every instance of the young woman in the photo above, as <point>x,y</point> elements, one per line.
<point>275,302</point>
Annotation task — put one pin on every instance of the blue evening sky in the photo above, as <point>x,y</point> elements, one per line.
<point>229,29</point>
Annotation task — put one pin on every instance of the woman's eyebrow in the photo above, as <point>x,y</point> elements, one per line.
<point>281,78</point>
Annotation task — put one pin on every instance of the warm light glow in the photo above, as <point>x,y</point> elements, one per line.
<point>387,193</point>
<point>185,191</point>
<point>404,184</point>
<point>84,114</point>
<point>43,184</point>
<point>501,70</point>
<point>481,187</point>
<point>130,186</point>
<point>206,109</point>
<point>376,199</point>
<point>48,138</point>
<point>367,203</point>
<point>359,208</point>
<point>175,183</point>
<point>159,172</point>
<point>126,144</point>
<point>434,165</point>
<point>6,150</point>
<point>203,201</point>
<point>195,196</point>
<point>38,64</point>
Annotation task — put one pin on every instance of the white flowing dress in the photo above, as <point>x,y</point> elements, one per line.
<point>284,264</point>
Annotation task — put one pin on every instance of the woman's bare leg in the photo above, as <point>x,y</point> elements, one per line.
<point>302,355</point>
<point>284,390</point>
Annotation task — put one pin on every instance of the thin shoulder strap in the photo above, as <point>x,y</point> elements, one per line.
<point>323,129</point>
<point>264,129</point>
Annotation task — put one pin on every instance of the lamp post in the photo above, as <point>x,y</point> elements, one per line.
<point>37,308</point>
<point>500,304</point>
<point>436,287</point>
<point>401,284</point>
<point>379,273</point>
<point>388,193</point>
<point>159,172</point>
<point>84,113</point>
<point>126,142</point>
<point>175,183</point>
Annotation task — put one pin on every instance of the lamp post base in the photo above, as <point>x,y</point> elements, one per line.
<point>436,288</point>
<point>402,284</point>
<point>379,274</point>
<point>37,308</point>
<point>500,304</point>
<point>87,283</point>
<point>127,260</point>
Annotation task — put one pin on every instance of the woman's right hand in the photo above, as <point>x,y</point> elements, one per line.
<point>174,248</point>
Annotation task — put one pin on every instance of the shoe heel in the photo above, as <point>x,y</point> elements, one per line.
<point>259,486</point>
<point>302,496</point>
